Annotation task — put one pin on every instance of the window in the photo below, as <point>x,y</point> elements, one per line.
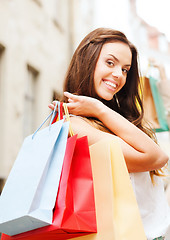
<point>57,13</point>
<point>1,103</point>
<point>1,110</point>
<point>55,10</point>
<point>2,182</point>
<point>38,2</point>
<point>1,70</point>
<point>56,96</point>
<point>30,100</point>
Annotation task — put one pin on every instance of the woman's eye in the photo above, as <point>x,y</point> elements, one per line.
<point>110,63</point>
<point>125,70</point>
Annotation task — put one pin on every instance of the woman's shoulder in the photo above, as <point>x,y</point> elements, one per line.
<point>80,125</point>
<point>84,127</point>
<point>78,120</point>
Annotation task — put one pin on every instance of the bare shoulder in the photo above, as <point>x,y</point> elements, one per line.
<point>83,128</point>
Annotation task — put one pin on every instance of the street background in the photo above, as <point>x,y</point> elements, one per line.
<point>37,40</point>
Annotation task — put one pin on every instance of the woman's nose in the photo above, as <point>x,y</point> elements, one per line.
<point>117,72</point>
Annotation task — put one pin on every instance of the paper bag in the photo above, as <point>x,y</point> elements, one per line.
<point>74,213</point>
<point>29,195</point>
<point>117,213</point>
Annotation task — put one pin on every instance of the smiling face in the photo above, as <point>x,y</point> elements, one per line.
<point>111,69</point>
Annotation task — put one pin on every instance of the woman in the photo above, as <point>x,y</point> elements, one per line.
<point>102,86</point>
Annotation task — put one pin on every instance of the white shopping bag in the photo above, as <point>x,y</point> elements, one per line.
<point>29,195</point>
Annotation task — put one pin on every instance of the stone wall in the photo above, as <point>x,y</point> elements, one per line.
<point>34,54</point>
<point>37,40</point>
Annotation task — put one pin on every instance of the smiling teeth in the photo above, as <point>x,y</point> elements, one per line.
<point>110,84</point>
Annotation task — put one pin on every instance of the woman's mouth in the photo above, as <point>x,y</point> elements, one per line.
<point>110,84</point>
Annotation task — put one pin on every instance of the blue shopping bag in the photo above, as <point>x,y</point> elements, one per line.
<point>29,195</point>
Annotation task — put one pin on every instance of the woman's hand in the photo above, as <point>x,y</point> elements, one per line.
<point>81,105</point>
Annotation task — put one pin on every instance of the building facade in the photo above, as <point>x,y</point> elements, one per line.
<point>36,42</point>
<point>150,42</point>
<point>37,39</point>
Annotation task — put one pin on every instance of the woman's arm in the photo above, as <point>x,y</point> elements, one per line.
<point>136,161</point>
<point>140,151</point>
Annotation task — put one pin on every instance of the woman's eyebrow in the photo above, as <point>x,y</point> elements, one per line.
<point>116,59</point>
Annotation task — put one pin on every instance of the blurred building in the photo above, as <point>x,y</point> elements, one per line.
<point>82,18</point>
<point>152,44</point>
<point>123,15</point>
<point>37,39</point>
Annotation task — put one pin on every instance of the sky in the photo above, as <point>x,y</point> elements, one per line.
<point>114,14</point>
<point>156,13</point>
<point>110,13</point>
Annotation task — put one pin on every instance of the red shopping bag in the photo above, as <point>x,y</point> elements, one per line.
<point>74,213</point>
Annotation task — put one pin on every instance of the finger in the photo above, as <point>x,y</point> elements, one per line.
<point>70,95</point>
<point>70,105</point>
<point>54,102</point>
<point>70,100</point>
<point>51,106</point>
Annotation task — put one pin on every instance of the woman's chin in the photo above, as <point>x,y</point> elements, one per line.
<point>107,97</point>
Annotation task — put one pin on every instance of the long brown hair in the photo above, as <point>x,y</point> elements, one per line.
<point>80,76</point>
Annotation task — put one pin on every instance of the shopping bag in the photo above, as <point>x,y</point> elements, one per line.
<point>29,195</point>
<point>117,213</point>
<point>159,105</point>
<point>74,213</point>
<point>150,114</point>
<point>155,112</point>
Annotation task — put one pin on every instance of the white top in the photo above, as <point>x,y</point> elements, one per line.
<point>153,206</point>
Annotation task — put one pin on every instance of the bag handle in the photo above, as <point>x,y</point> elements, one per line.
<point>68,119</point>
<point>53,113</point>
<point>66,116</point>
<point>58,115</point>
